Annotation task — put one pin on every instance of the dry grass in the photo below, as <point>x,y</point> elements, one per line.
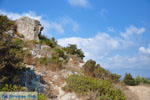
<point>29,60</point>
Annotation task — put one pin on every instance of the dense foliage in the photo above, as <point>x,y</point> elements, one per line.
<point>11,60</point>
<point>73,50</point>
<point>129,80</point>
<point>95,70</point>
<point>5,24</point>
<point>85,84</point>
<point>61,53</point>
<point>45,41</point>
<point>41,96</point>
<point>9,88</point>
<point>143,80</point>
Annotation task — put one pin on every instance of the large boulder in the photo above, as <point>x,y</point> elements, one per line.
<point>29,28</point>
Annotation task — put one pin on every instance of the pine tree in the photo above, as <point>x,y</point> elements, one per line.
<point>129,80</point>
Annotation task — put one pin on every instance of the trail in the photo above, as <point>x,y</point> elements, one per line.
<point>142,92</point>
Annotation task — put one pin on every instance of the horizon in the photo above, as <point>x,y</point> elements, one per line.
<point>113,33</point>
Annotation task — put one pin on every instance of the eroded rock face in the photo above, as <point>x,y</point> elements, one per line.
<point>30,28</point>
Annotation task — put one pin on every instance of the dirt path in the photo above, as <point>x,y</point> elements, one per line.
<point>142,92</point>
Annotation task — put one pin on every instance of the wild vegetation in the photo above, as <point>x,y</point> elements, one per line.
<point>45,41</point>
<point>95,80</point>
<point>85,84</point>
<point>129,80</point>
<point>139,80</point>
<point>73,50</point>
<point>53,63</point>
<point>5,24</point>
<point>95,70</point>
<point>11,54</point>
<point>12,58</point>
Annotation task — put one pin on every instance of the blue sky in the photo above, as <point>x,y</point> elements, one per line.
<point>115,33</point>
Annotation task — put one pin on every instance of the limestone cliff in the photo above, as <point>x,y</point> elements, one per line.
<point>30,28</point>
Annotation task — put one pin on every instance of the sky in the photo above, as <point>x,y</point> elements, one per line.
<point>115,33</point>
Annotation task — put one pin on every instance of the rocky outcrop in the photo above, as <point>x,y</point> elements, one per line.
<point>29,28</point>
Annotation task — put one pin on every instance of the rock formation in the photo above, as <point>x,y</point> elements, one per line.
<point>30,28</point>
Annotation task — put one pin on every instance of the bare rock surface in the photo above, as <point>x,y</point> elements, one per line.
<point>30,28</point>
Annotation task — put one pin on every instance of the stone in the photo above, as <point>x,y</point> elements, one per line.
<point>44,47</point>
<point>29,28</point>
<point>11,32</point>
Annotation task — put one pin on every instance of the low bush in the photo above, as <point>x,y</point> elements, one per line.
<point>129,80</point>
<point>5,24</point>
<point>89,67</point>
<point>95,70</point>
<point>61,53</point>
<point>12,88</point>
<point>45,41</point>
<point>41,96</point>
<point>85,84</point>
<point>11,60</point>
<point>101,73</point>
<point>72,49</point>
<point>53,63</point>
<point>143,80</point>
<point>115,77</point>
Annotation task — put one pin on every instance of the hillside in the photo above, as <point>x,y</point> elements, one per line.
<point>29,61</point>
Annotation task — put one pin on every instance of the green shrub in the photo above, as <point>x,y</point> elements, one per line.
<point>85,84</point>
<point>11,53</point>
<point>12,88</point>
<point>42,37</point>
<point>18,42</point>
<point>5,24</point>
<point>89,67</point>
<point>45,41</point>
<point>101,73</point>
<point>61,53</point>
<point>52,63</point>
<point>41,96</point>
<point>72,49</point>
<point>95,70</point>
<point>11,59</point>
<point>129,80</point>
<point>115,77</point>
<point>143,80</point>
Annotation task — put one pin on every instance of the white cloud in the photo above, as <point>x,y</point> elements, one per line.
<point>68,21</point>
<point>50,27</point>
<point>110,29</point>
<point>144,50</point>
<point>81,3</point>
<point>102,45</point>
<point>14,16</point>
<point>137,61</point>
<point>59,26</point>
<point>132,30</point>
